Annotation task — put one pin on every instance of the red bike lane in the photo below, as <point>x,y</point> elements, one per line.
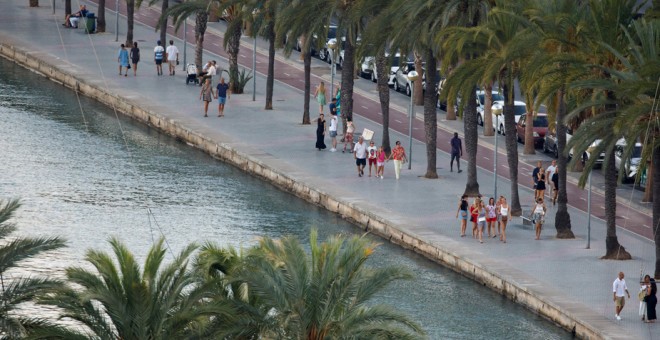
<point>627,218</point>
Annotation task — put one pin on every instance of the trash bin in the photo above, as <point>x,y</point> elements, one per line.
<point>90,23</point>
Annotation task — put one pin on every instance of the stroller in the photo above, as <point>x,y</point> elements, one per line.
<point>191,69</point>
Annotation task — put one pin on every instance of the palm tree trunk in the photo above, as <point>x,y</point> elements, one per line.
<point>34,3</point>
<point>562,218</point>
<point>200,29</point>
<point>511,146</point>
<point>471,140</point>
<point>233,47</point>
<point>431,118</point>
<point>488,110</point>
<point>271,66</point>
<point>100,19</point>
<point>163,25</point>
<point>130,12</point>
<point>451,110</point>
<point>307,60</point>
<point>656,208</point>
<point>347,80</point>
<point>384,95</point>
<point>613,250</point>
<point>419,95</point>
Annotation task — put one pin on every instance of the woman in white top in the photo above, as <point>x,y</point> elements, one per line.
<point>333,132</point>
<point>503,213</point>
<point>645,284</point>
<point>538,216</point>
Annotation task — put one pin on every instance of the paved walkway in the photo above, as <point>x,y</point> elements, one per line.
<point>561,271</point>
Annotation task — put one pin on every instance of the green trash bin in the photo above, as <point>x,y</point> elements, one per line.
<point>90,23</point>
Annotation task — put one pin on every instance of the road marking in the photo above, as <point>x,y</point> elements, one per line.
<point>644,225</point>
<point>486,158</point>
<point>214,44</point>
<point>602,207</point>
<point>415,128</point>
<point>242,55</point>
<point>506,166</point>
<point>286,74</point>
<point>398,121</point>
<point>258,62</point>
<point>625,217</point>
<point>582,198</point>
<point>380,113</point>
<point>364,107</point>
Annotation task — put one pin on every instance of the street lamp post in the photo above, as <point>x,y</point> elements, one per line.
<point>497,114</point>
<point>332,44</point>
<point>254,69</point>
<point>412,76</point>
<point>589,214</point>
<point>117,20</point>
<point>185,43</point>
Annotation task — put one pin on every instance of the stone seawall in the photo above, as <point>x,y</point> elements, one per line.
<point>259,166</point>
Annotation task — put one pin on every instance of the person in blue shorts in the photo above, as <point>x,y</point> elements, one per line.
<point>222,93</point>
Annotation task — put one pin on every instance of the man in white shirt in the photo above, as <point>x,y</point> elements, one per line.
<point>619,288</point>
<point>548,176</point>
<point>333,129</point>
<point>360,155</point>
<point>210,72</point>
<point>172,56</point>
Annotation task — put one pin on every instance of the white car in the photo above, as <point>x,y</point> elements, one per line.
<point>396,60</point>
<point>367,67</point>
<point>481,100</point>
<point>632,164</point>
<point>498,114</point>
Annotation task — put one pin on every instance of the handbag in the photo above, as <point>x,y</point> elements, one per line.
<point>482,219</point>
<point>641,295</point>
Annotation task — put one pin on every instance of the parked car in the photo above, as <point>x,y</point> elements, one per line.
<point>550,141</point>
<point>438,78</point>
<point>540,127</point>
<point>394,66</point>
<point>631,166</point>
<point>401,81</point>
<point>323,53</point>
<point>367,67</point>
<point>481,100</point>
<point>519,108</point>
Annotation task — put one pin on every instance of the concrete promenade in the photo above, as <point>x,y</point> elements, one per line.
<point>559,279</point>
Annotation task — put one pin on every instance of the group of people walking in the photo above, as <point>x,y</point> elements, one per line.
<point>491,217</point>
<point>647,297</point>
<point>363,154</point>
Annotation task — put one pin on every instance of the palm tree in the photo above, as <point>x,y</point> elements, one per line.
<point>180,12</point>
<point>120,300</point>
<point>162,24</point>
<point>100,19</point>
<point>326,294</point>
<point>130,19</point>
<point>16,291</point>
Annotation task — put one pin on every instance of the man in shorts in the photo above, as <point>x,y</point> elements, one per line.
<point>159,54</point>
<point>333,126</point>
<point>550,171</point>
<point>619,288</point>
<point>222,93</point>
<point>535,173</point>
<point>372,150</point>
<point>360,155</point>
<point>456,153</point>
<point>172,57</point>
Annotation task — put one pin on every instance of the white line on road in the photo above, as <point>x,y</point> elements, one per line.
<point>602,207</point>
<point>398,121</point>
<point>286,74</point>
<point>582,198</point>
<point>379,113</point>
<point>242,55</point>
<point>625,217</point>
<point>487,158</point>
<point>415,128</point>
<point>506,166</point>
<point>644,225</point>
<point>364,107</point>
<point>258,62</point>
<point>214,44</point>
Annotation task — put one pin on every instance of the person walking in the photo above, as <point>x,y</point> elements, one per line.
<point>360,155</point>
<point>619,288</point>
<point>456,153</point>
<point>491,217</point>
<point>651,300</point>
<point>538,216</point>
<point>320,95</point>
<point>503,212</point>
<point>122,58</point>
<point>333,130</point>
<point>535,176</point>
<point>222,94</point>
<point>399,157</point>
<point>380,162</point>
<point>549,172</point>
<point>348,137</point>
<point>206,94</point>
<point>481,221</point>
<point>555,185</point>
<point>320,132</point>
<point>474,215</point>
<point>159,54</point>
<point>372,151</point>
<point>172,54</point>
<point>540,184</point>
<point>462,213</point>
<point>135,57</point>
<point>643,290</point>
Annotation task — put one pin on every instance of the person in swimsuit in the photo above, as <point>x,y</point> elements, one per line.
<point>462,213</point>
<point>538,216</point>
<point>503,212</point>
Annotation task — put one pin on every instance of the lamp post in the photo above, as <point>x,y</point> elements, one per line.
<point>185,43</point>
<point>589,214</point>
<point>412,76</point>
<point>117,20</point>
<point>332,44</point>
<point>254,69</point>
<point>497,113</point>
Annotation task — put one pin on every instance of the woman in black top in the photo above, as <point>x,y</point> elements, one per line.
<point>540,185</point>
<point>135,57</point>
<point>320,132</point>
<point>651,301</point>
<point>555,183</point>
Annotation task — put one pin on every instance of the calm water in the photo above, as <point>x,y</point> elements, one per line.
<point>80,177</point>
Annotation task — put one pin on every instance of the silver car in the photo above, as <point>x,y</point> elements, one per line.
<point>395,62</point>
<point>631,166</point>
<point>401,81</point>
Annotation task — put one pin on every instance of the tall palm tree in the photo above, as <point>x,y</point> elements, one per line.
<point>16,291</point>
<point>328,293</point>
<point>100,19</point>
<point>180,12</point>
<point>120,300</point>
<point>130,21</point>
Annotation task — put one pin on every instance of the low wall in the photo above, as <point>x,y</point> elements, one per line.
<point>360,217</point>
